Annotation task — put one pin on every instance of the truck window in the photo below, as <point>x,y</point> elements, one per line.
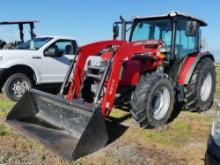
<point>34,44</point>
<point>66,47</point>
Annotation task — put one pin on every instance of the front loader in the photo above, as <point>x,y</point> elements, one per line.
<point>159,67</point>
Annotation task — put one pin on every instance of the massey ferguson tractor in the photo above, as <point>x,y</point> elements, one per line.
<point>160,67</point>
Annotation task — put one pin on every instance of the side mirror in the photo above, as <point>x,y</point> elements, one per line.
<point>191,28</point>
<point>51,52</point>
<point>115,31</point>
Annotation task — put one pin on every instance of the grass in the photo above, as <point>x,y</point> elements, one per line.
<point>187,128</point>
<point>4,131</point>
<point>5,106</point>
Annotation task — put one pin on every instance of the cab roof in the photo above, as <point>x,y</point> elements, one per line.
<point>17,22</point>
<point>57,37</point>
<point>173,14</point>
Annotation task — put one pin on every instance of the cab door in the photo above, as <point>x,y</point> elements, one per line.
<point>55,68</point>
<point>186,44</point>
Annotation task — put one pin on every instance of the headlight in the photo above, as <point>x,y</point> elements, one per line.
<point>94,61</point>
<point>1,58</point>
<point>216,127</point>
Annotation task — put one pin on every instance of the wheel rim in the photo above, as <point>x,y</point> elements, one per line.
<point>160,103</point>
<point>206,87</point>
<point>18,87</point>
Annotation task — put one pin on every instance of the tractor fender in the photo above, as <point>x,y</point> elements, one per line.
<point>189,64</point>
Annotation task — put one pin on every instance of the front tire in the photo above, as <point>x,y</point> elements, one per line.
<point>16,85</point>
<point>153,100</point>
<point>199,93</point>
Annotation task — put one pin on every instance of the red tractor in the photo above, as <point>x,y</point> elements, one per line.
<point>158,69</point>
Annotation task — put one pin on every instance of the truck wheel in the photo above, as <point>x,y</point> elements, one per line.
<point>153,100</point>
<point>199,92</point>
<point>16,85</point>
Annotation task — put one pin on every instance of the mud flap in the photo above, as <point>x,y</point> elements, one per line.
<point>69,129</point>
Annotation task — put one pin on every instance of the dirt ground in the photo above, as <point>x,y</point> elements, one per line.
<point>181,142</point>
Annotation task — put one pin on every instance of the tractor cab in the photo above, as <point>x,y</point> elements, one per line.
<point>179,32</point>
<point>20,24</point>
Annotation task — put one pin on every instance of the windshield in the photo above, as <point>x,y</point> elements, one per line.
<point>153,30</point>
<point>34,44</point>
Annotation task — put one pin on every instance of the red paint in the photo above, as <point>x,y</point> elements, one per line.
<point>124,53</point>
<point>185,68</point>
<point>131,73</point>
<point>84,53</point>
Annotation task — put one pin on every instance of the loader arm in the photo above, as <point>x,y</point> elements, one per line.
<point>122,52</point>
<point>128,52</point>
<point>84,53</point>
<point>121,55</point>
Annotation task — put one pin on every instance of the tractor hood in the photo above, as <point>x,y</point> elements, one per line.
<point>143,47</point>
<point>137,46</point>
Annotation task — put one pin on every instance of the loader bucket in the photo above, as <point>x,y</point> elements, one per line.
<point>69,129</point>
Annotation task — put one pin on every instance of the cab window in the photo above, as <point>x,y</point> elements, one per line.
<point>153,30</point>
<point>185,44</point>
<point>65,47</point>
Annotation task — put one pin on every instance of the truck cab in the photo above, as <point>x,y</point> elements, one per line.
<point>41,60</point>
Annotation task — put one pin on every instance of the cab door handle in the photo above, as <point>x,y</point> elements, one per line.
<point>36,57</point>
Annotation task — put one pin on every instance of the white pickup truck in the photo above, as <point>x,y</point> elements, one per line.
<point>42,60</point>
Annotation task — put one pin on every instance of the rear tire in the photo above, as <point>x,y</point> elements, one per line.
<point>152,101</point>
<point>199,93</point>
<point>16,85</point>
